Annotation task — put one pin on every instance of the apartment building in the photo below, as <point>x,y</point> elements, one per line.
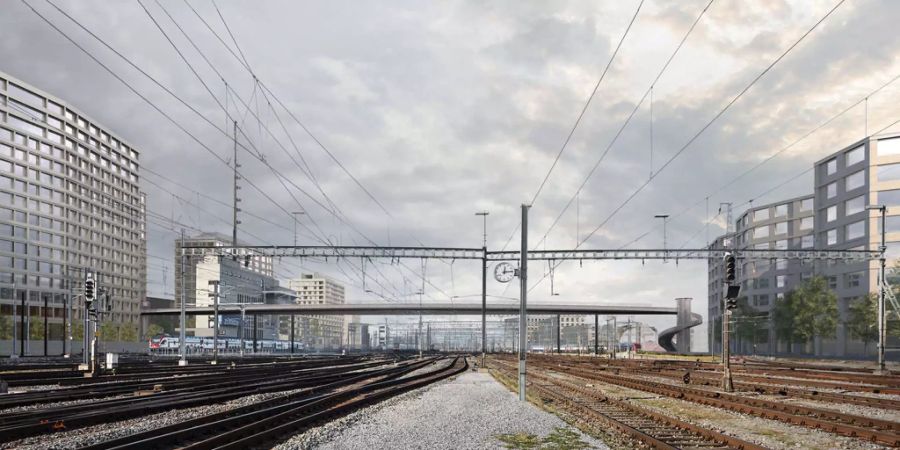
<point>322,332</point>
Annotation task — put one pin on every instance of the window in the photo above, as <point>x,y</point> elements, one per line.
<point>781,210</point>
<point>831,166</point>
<point>807,241</point>
<point>855,180</point>
<point>832,282</point>
<point>892,224</point>
<point>761,214</point>
<point>781,264</point>
<point>856,155</point>
<point>806,223</point>
<point>831,237</point>
<point>760,232</point>
<point>853,280</point>
<point>831,190</point>
<point>781,228</point>
<point>858,204</point>
<point>888,147</point>
<point>856,230</point>
<point>806,204</point>
<point>831,213</point>
<point>781,245</point>
<point>888,172</point>
<point>780,281</point>
<point>889,198</point>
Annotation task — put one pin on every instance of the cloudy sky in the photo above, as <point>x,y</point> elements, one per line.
<point>443,109</point>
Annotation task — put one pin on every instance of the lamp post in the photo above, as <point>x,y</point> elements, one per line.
<point>484,215</point>
<point>665,219</point>
<point>882,338</point>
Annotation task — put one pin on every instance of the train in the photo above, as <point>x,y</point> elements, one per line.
<point>193,344</point>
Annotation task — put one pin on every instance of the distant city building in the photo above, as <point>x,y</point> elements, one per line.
<point>323,332</point>
<point>70,203</point>
<point>258,264</point>
<point>834,217</point>
<point>358,336</point>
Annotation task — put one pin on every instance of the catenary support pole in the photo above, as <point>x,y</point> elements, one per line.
<point>882,335</point>
<point>558,332</point>
<point>182,361</point>
<point>292,333</point>
<point>46,305</point>
<point>523,302</point>
<point>483,304</point>
<point>597,334</point>
<point>22,335</point>
<point>255,324</point>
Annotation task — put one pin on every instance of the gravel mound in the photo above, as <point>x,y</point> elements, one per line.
<point>466,412</point>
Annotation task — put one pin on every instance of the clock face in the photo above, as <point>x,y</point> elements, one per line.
<point>504,272</point>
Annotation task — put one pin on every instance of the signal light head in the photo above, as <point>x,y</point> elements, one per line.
<point>730,268</point>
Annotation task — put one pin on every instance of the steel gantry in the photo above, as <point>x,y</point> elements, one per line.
<point>473,253</point>
<point>468,253</point>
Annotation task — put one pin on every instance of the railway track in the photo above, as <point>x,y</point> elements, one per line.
<point>762,385</point>
<point>866,428</point>
<point>270,421</point>
<point>222,376</point>
<point>646,427</point>
<point>15,425</point>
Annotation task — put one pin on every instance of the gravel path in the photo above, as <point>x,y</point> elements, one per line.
<point>466,412</point>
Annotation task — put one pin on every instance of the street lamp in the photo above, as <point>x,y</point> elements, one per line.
<point>484,215</point>
<point>881,283</point>
<point>665,218</point>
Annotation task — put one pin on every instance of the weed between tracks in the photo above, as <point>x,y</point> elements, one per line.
<point>559,439</point>
<point>612,440</point>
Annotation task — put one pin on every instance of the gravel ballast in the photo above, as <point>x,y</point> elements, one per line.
<point>466,412</point>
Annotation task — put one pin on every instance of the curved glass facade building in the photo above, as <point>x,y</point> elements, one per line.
<point>70,202</point>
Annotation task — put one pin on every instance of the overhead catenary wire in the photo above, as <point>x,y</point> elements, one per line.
<point>143,97</point>
<point>708,124</point>
<point>627,121</point>
<point>733,180</point>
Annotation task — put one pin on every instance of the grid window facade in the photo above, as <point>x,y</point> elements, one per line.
<point>69,203</point>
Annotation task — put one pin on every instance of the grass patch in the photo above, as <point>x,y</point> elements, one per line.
<point>559,439</point>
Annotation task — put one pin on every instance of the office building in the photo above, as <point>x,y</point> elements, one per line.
<point>69,204</point>
<point>834,217</point>
<point>321,332</point>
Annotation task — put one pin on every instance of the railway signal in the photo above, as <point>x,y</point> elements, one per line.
<point>730,268</point>
<point>89,293</point>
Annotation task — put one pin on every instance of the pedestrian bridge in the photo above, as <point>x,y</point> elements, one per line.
<point>379,309</point>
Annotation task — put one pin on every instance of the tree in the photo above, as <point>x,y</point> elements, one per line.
<point>749,323</point>
<point>6,328</point>
<point>153,330</point>
<point>862,321</point>
<point>109,332</point>
<point>77,329</point>
<point>783,320</point>
<point>128,333</point>
<point>35,327</point>
<point>807,312</point>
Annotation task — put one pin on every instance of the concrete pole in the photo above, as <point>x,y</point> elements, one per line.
<point>292,333</point>
<point>596,334</point>
<point>46,301</point>
<point>22,326</point>
<point>558,332</point>
<point>882,335</point>
<point>182,334</point>
<point>484,299</point>
<point>523,302</point>
<point>215,295</point>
